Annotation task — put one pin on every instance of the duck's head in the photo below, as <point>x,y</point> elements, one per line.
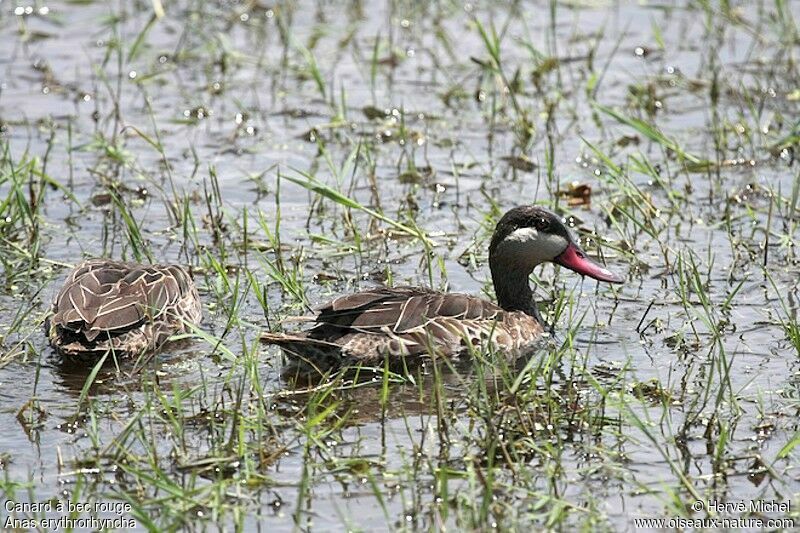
<point>527,236</point>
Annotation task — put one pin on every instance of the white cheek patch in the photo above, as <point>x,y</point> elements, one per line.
<point>523,234</point>
<point>527,247</point>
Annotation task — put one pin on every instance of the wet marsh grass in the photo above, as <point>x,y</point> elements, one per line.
<point>645,396</point>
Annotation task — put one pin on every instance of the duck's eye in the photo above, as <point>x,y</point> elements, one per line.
<point>542,224</point>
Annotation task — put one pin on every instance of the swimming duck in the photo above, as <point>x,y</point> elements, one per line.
<point>125,307</point>
<point>412,322</point>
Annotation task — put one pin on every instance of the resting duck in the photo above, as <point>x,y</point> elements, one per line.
<point>129,308</point>
<point>400,322</point>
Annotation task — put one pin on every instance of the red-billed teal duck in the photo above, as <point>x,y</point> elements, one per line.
<point>411,322</point>
<point>125,307</point>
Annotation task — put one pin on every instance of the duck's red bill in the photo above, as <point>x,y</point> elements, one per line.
<point>575,259</point>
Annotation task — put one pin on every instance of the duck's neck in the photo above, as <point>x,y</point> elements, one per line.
<point>512,288</point>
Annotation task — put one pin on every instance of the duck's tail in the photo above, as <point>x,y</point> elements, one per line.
<point>269,337</point>
<point>301,346</point>
<point>306,353</point>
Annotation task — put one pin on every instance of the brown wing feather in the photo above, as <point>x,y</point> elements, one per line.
<point>122,311</point>
<point>400,309</point>
<point>355,301</point>
<point>416,311</point>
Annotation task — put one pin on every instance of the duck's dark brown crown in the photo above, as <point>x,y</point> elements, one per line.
<point>528,216</point>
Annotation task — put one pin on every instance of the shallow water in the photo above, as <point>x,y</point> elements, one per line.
<point>226,91</point>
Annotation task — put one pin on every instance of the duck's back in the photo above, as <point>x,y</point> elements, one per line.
<point>121,306</point>
<point>409,322</point>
